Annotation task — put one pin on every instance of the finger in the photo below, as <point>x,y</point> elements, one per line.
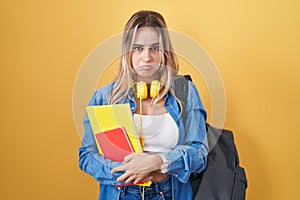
<point>119,168</point>
<point>131,179</point>
<point>123,177</point>
<point>149,178</point>
<point>137,180</point>
<point>143,180</point>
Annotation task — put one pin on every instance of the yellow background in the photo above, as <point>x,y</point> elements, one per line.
<point>255,45</point>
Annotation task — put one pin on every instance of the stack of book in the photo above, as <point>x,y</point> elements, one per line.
<point>114,131</point>
<point>113,118</point>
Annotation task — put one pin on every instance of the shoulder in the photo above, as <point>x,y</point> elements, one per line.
<point>106,88</point>
<point>194,99</point>
<point>101,95</point>
<point>192,89</point>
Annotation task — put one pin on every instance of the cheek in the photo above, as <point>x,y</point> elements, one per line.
<point>156,59</point>
<point>134,61</point>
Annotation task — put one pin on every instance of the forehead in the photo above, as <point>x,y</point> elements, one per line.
<point>146,36</point>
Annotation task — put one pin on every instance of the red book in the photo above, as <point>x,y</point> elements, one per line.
<point>114,144</point>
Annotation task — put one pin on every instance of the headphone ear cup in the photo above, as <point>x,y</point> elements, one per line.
<point>141,90</point>
<point>155,88</point>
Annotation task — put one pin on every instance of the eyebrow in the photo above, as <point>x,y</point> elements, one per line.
<point>140,45</point>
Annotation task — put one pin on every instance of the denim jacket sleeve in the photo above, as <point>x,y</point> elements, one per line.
<point>90,161</point>
<point>190,155</point>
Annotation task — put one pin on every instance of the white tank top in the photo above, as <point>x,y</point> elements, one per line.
<point>160,132</point>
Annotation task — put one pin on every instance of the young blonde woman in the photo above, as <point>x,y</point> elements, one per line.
<point>172,150</point>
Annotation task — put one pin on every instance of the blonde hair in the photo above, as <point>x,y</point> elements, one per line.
<point>168,67</point>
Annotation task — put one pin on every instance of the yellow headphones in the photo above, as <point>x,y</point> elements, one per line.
<point>142,91</point>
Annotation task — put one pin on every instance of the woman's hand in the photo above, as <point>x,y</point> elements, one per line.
<point>133,177</point>
<point>138,167</point>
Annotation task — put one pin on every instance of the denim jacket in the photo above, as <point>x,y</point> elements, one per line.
<point>189,155</point>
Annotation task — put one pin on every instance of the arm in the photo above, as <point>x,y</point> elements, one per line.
<point>90,161</point>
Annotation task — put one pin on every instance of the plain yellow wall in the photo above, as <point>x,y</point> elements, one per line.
<point>255,45</point>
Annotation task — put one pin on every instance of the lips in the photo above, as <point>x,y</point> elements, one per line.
<point>146,67</point>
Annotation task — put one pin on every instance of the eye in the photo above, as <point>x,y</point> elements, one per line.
<point>155,48</point>
<point>137,49</point>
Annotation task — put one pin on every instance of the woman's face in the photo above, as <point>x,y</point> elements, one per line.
<point>145,57</point>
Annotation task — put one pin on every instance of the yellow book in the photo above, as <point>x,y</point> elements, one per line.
<point>107,117</point>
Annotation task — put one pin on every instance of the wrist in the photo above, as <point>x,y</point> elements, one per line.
<point>165,164</point>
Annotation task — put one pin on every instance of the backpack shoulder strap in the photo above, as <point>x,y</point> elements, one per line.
<point>181,89</point>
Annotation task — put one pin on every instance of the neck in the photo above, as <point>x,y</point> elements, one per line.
<point>147,80</point>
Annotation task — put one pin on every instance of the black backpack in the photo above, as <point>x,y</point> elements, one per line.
<point>223,178</point>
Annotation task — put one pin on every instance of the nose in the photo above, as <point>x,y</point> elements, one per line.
<point>147,55</point>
